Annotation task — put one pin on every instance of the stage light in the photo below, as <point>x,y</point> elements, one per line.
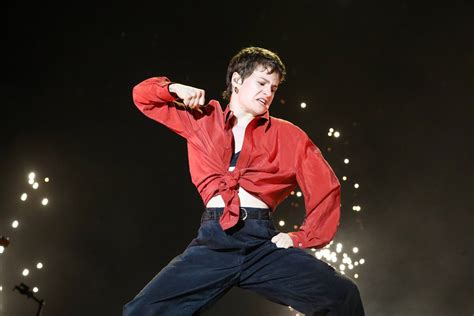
<point>344,178</point>
<point>281,223</point>
<point>362,261</point>
<point>2,249</point>
<point>26,272</point>
<point>39,265</point>
<point>346,161</point>
<point>342,267</point>
<point>35,185</point>
<point>355,250</point>
<point>24,196</point>
<point>31,180</point>
<point>356,275</point>
<point>336,134</point>
<point>299,194</point>
<point>303,105</point>
<point>35,289</point>
<point>331,130</point>
<point>356,185</point>
<point>32,175</point>
<point>45,201</point>
<point>15,224</point>
<point>46,179</point>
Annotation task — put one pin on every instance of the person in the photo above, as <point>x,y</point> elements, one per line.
<point>244,163</point>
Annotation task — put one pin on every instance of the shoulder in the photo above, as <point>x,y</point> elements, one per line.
<point>288,127</point>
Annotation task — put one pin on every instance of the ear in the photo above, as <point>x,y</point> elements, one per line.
<point>236,79</point>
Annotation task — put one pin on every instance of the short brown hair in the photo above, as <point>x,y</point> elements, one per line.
<point>247,60</point>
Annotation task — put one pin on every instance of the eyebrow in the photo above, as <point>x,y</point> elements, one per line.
<point>275,85</point>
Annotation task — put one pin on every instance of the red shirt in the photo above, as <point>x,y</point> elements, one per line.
<point>276,157</point>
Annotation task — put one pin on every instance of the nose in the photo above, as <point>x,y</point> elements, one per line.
<point>267,91</point>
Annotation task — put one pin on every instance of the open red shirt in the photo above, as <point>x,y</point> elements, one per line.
<point>276,157</point>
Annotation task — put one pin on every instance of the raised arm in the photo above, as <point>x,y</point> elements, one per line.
<point>158,98</point>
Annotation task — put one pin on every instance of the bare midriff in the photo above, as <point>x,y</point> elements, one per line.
<point>246,200</point>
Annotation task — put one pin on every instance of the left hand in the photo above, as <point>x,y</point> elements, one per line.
<point>282,240</point>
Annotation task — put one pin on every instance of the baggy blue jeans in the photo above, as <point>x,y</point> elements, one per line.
<point>244,256</point>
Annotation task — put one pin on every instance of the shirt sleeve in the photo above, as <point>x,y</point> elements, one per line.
<point>322,197</point>
<point>153,99</point>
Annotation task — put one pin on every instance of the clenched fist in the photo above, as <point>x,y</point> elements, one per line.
<point>192,97</point>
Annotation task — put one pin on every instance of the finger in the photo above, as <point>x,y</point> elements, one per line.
<point>196,99</point>
<point>191,101</point>
<point>202,98</point>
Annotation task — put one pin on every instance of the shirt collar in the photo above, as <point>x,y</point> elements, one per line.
<point>228,115</point>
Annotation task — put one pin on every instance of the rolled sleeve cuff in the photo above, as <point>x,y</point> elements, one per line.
<point>297,240</point>
<point>164,93</point>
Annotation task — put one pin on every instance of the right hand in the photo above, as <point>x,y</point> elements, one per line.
<point>192,97</point>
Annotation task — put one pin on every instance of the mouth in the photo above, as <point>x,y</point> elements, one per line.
<point>262,101</point>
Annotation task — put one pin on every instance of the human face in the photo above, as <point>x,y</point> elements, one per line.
<point>256,92</point>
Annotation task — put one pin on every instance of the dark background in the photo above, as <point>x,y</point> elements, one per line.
<point>394,77</point>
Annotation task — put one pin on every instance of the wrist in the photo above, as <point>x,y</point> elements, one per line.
<point>171,87</point>
<point>172,90</point>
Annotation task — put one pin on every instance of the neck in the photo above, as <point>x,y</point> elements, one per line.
<point>242,118</point>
